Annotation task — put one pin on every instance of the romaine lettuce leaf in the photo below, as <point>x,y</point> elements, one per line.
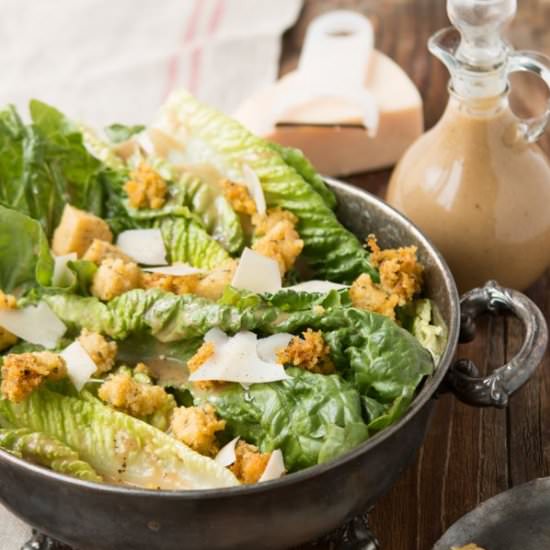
<point>45,165</point>
<point>116,133</point>
<point>332,251</point>
<point>166,316</point>
<point>47,451</point>
<point>312,418</point>
<point>185,241</point>
<point>218,217</point>
<point>25,258</point>
<point>295,158</point>
<point>118,447</point>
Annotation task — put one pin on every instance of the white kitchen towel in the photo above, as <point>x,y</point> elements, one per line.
<point>104,61</point>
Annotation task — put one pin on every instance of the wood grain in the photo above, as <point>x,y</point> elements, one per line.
<point>469,454</point>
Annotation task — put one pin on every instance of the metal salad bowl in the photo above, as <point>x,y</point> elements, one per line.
<point>304,505</point>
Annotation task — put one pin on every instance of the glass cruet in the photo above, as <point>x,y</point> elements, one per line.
<point>477,183</point>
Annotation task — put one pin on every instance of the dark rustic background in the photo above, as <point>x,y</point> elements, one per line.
<point>470,454</point>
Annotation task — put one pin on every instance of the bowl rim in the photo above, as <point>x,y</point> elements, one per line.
<point>430,386</point>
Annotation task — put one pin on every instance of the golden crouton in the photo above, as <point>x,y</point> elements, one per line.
<point>310,352</point>
<point>367,295</point>
<point>214,283</point>
<point>145,188</point>
<point>102,352</point>
<point>178,284</point>
<point>101,250</point>
<point>197,427</point>
<point>250,463</point>
<point>400,279</point>
<point>22,373</point>
<point>122,392</point>
<point>77,230</point>
<point>205,352</point>
<point>7,339</point>
<point>239,197</point>
<point>470,546</point>
<point>264,222</point>
<point>115,277</point>
<point>280,241</point>
<point>400,271</point>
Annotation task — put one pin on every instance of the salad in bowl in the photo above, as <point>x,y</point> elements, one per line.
<point>181,309</point>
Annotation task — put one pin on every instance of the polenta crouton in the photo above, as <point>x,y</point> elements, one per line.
<point>115,277</point>
<point>214,283</point>
<point>178,284</point>
<point>145,188</point>
<point>280,240</point>
<point>24,372</point>
<point>309,352</point>
<point>400,279</point>
<point>205,352</point>
<point>239,197</point>
<point>197,427</point>
<point>250,463</point>
<point>400,271</point>
<point>101,250</point>
<point>365,294</point>
<point>7,339</point>
<point>124,393</point>
<point>77,230</point>
<point>102,352</point>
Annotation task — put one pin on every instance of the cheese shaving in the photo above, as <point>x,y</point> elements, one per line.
<point>35,324</point>
<point>80,366</point>
<point>144,246</point>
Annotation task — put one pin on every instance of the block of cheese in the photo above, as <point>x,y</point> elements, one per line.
<point>329,131</point>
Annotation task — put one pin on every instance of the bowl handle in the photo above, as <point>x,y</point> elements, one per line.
<point>493,390</point>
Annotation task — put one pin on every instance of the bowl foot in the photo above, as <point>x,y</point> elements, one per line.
<point>353,535</point>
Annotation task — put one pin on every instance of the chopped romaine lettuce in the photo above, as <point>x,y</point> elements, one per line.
<point>333,252</point>
<point>312,418</point>
<point>118,447</point>
<point>25,258</point>
<point>47,451</point>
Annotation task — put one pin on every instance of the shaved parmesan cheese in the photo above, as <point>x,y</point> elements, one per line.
<point>178,269</point>
<point>316,286</point>
<point>62,275</point>
<point>144,246</point>
<point>257,273</point>
<point>80,365</point>
<point>275,467</point>
<point>254,188</point>
<point>216,336</point>
<point>34,324</point>
<point>237,361</point>
<point>268,347</point>
<point>227,456</point>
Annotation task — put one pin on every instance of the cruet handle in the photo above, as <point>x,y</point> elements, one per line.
<point>532,128</point>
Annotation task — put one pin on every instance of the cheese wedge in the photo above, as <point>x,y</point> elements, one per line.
<point>330,130</point>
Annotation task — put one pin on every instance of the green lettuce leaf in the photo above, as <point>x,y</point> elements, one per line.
<point>295,158</point>
<point>25,258</point>
<point>46,451</point>
<point>312,418</point>
<point>48,166</point>
<point>118,447</point>
<point>117,133</point>
<point>332,251</point>
<point>166,316</point>
<point>218,217</point>
<point>430,328</point>
<point>187,242</point>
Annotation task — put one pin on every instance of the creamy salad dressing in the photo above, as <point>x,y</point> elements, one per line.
<point>477,184</point>
<point>481,193</point>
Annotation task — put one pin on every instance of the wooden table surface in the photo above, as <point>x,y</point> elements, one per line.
<point>470,454</point>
